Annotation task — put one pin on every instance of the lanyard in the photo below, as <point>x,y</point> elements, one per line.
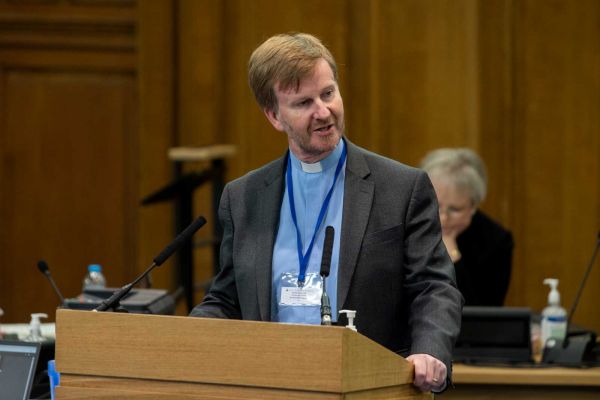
<point>303,259</point>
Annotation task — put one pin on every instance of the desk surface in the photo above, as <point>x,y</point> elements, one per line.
<point>22,330</point>
<point>551,376</point>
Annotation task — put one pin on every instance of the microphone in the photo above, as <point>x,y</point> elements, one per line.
<point>577,346</point>
<point>113,301</point>
<point>583,282</point>
<point>43,267</point>
<point>325,267</point>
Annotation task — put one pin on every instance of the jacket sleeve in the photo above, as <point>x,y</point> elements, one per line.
<point>435,302</point>
<point>222,301</point>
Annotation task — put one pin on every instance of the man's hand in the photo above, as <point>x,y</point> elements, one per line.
<point>430,373</point>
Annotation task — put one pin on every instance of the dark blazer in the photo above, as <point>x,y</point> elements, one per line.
<point>393,268</point>
<point>483,272</point>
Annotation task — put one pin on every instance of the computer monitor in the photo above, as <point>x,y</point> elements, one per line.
<point>494,335</point>
<point>17,368</point>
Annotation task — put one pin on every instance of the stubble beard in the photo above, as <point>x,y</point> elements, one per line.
<point>324,145</point>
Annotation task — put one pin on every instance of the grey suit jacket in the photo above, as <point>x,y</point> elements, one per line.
<point>393,268</point>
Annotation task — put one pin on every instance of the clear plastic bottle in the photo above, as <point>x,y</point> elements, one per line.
<point>94,278</point>
<point>554,317</point>
<point>35,328</point>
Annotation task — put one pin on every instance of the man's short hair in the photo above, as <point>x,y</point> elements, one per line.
<point>285,59</point>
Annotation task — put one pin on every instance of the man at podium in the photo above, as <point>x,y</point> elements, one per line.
<point>388,261</point>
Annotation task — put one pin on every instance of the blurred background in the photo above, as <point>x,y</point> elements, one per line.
<point>93,94</point>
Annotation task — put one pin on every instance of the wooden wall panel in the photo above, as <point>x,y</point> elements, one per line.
<point>557,98</point>
<point>200,109</point>
<point>414,80</point>
<point>495,104</point>
<point>68,149</point>
<point>66,188</point>
<point>155,38</point>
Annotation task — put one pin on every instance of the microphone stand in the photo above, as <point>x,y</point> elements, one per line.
<point>325,267</point>
<point>325,307</point>
<point>43,267</point>
<point>113,302</point>
<point>576,348</point>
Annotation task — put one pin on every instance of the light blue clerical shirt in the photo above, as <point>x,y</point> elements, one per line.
<point>311,182</point>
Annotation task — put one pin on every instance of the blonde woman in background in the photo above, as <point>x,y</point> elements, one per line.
<point>480,248</point>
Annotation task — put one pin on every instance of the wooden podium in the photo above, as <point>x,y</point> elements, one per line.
<point>135,356</point>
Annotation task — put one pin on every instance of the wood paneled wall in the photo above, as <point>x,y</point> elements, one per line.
<point>83,136</point>
<point>518,81</point>
<point>68,109</point>
<point>556,143</point>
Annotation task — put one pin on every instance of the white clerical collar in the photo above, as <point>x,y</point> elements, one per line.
<point>311,168</point>
<point>325,164</point>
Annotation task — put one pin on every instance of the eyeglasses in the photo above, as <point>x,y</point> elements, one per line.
<point>452,212</point>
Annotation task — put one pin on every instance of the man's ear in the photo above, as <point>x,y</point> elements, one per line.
<point>274,119</point>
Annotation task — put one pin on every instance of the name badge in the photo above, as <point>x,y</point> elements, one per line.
<point>300,296</point>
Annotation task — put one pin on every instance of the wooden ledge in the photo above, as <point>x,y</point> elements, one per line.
<point>206,153</point>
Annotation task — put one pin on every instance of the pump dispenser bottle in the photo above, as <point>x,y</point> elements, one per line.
<point>35,328</point>
<point>554,317</point>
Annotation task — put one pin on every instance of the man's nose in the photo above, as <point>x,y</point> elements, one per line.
<point>322,111</point>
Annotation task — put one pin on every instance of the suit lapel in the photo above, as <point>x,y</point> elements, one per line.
<point>269,199</point>
<point>358,199</point>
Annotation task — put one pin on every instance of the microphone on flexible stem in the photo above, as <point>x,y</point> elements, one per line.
<point>43,267</point>
<point>583,282</point>
<point>113,301</point>
<point>577,346</point>
<point>325,267</point>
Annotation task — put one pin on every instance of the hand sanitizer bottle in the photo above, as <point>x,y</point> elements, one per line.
<point>35,328</point>
<point>350,314</point>
<point>554,317</point>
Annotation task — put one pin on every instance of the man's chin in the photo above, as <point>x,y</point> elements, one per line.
<point>328,147</point>
<point>328,142</point>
